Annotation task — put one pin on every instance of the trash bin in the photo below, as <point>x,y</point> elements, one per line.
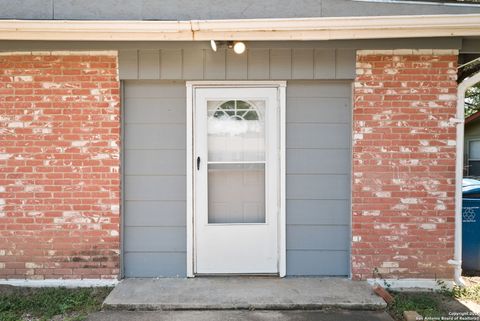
<point>471,225</point>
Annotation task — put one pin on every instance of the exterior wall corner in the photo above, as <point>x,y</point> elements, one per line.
<point>403,179</point>
<point>59,155</point>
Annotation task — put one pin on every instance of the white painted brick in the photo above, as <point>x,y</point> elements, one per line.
<point>15,53</point>
<point>32,265</point>
<point>409,200</point>
<point>447,97</point>
<point>34,188</point>
<point>422,51</point>
<point>371,213</point>
<point>440,52</point>
<point>34,213</point>
<point>49,85</point>
<point>391,71</point>
<point>374,52</point>
<point>79,143</point>
<point>409,162</point>
<point>402,51</point>
<point>23,78</point>
<point>440,206</point>
<point>357,136</point>
<point>428,149</point>
<point>41,53</point>
<point>390,264</point>
<point>356,238</point>
<point>424,142</point>
<point>69,214</point>
<point>102,156</point>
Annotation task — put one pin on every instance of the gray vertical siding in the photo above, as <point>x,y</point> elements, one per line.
<point>318,176</point>
<point>155,185</point>
<point>261,64</point>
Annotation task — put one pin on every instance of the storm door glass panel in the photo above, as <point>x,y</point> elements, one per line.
<point>236,161</point>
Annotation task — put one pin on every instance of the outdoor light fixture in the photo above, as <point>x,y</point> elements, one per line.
<point>213,44</point>
<point>238,47</point>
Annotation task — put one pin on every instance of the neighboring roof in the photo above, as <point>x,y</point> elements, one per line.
<point>174,10</point>
<point>472,118</point>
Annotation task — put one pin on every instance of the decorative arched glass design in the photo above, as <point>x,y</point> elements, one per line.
<point>237,110</point>
<point>236,130</point>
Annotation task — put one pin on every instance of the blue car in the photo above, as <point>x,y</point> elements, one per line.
<point>471,225</point>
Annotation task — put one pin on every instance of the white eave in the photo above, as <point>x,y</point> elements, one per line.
<point>373,27</point>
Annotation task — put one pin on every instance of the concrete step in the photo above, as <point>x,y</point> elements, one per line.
<point>242,293</point>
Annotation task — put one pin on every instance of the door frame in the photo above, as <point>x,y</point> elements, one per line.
<point>281,235</point>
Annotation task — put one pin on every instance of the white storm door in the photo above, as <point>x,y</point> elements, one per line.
<point>236,180</point>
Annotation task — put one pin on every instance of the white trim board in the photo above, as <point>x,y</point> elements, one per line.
<point>190,186</point>
<point>322,28</point>
<point>74,283</point>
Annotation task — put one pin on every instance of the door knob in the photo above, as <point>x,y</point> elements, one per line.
<point>198,163</point>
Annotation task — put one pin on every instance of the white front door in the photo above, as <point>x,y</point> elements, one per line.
<point>236,180</point>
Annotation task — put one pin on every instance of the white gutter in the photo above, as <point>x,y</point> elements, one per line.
<point>460,120</point>
<point>326,28</point>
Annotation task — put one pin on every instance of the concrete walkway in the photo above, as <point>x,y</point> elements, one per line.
<point>240,316</point>
<point>247,293</point>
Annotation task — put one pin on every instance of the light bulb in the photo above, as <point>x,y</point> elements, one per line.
<point>213,44</point>
<point>239,47</point>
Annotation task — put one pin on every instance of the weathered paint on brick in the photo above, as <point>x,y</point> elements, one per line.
<point>403,164</point>
<point>59,165</point>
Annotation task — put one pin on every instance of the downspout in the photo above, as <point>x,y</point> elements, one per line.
<point>459,121</point>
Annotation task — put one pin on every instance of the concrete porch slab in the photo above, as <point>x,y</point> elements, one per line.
<point>249,293</point>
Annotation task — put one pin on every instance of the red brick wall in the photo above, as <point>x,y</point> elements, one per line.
<point>59,165</point>
<point>403,164</point>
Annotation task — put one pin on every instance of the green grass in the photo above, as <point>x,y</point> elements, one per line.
<point>44,303</point>
<point>426,305</point>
